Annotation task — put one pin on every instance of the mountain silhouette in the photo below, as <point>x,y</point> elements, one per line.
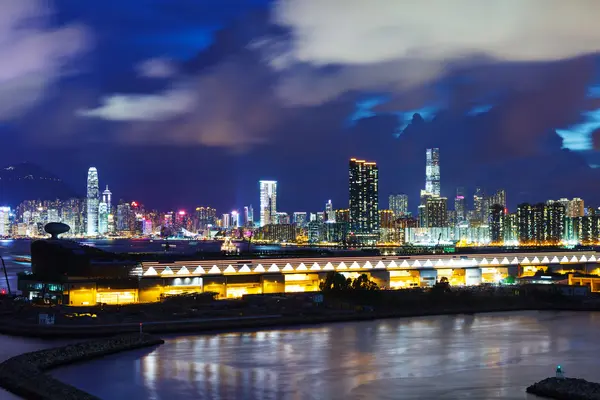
<point>26,181</point>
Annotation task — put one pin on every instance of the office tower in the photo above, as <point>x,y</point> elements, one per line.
<point>459,205</point>
<point>103,218</point>
<point>300,219</point>
<point>497,224</point>
<point>282,218</point>
<point>107,198</point>
<point>235,219</point>
<point>436,211</point>
<point>4,221</point>
<point>364,196</point>
<point>398,203</point>
<point>206,216</point>
<point>330,214</point>
<point>124,214</point>
<point>432,171</point>
<point>226,221</point>
<point>554,222</point>
<point>498,198</point>
<point>92,202</point>
<point>478,205</point>
<point>386,219</point>
<point>268,202</point>
<point>342,216</point>
<point>250,216</point>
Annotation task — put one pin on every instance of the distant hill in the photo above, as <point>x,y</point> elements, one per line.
<point>26,181</point>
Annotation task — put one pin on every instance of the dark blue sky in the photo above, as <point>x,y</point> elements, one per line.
<point>181,103</point>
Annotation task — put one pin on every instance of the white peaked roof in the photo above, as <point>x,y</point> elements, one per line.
<point>315,267</point>
<point>288,267</point>
<point>301,267</point>
<point>416,263</point>
<point>245,269</point>
<point>167,271</point>
<point>526,260</point>
<point>342,266</point>
<point>183,271</point>
<point>535,260</point>
<point>583,258</point>
<point>151,271</point>
<point>404,263</point>
<point>259,268</point>
<point>392,264</point>
<point>199,270</point>
<point>592,258</point>
<point>484,261</point>
<point>380,264</point>
<point>273,268</point>
<point>214,270</point>
<point>555,260</point>
<point>545,260</point>
<point>440,263</point>
<point>495,261</point>
<point>515,261</point>
<point>428,263</point>
<point>505,261</point>
<point>574,259</point>
<point>564,259</point>
<point>328,267</point>
<point>355,265</point>
<point>368,265</point>
<point>229,269</point>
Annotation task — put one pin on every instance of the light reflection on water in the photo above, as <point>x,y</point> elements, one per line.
<point>448,357</point>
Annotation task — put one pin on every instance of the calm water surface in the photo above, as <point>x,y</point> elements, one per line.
<point>487,356</point>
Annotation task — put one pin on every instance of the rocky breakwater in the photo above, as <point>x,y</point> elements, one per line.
<point>25,376</point>
<point>566,389</point>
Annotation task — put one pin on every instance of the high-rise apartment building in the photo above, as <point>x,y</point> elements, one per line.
<point>497,224</point>
<point>575,207</point>
<point>554,222</point>
<point>4,221</point>
<point>364,196</point>
<point>498,198</point>
<point>398,203</point>
<point>268,202</point>
<point>437,212</point>
<point>432,171</point>
<point>478,205</point>
<point>93,199</point>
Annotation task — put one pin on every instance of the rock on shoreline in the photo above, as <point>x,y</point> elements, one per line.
<point>24,375</point>
<point>566,389</point>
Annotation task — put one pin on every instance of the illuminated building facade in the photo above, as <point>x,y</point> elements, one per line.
<point>342,215</point>
<point>436,211</point>
<point>498,198</point>
<point>432,171</point>
<point>554,222</point>
<point>478,205</point>
<point>93,200</point>
<point>5,221</point>
<point>364,196</point>
<point>268,202</point>
<point>300,219</point>
<point>102,218</point>
<point>459,205</point>
<point>530,222</point>
<point>497,224</point>
<point>329,213</point>
<point>398,203</point>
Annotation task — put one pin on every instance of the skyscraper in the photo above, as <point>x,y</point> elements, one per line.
<point>432,171</point>
<point>398,203</point>
<point>268,202</point>
<point>364,196</point>
<point>497,224</point>
<point>437,213</point>
<point>478,206</point>
<point>459,205</point>
<point>330,214</point>
<point>107,198</point>
<point>92,202</point>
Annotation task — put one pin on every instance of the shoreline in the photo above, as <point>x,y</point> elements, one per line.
<point>25,375</point>
<point>250,323</point>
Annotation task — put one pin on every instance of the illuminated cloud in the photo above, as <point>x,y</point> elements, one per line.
<point>144,107</point>
<point>34,54</point>
<point>357,32</point>
<point>579,137</point>
<point>158,68</point>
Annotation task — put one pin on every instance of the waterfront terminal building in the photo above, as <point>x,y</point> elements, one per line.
<point>64,272</point>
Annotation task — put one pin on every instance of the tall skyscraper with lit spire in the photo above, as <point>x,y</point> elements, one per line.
<point>93,199</point>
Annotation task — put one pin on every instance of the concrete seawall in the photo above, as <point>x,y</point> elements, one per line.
<point>566,389</point>
<point>25,376</point>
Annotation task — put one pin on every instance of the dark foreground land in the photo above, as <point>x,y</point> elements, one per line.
<point>25,375</point>
<point>566,389</point>
<point>196,313</point>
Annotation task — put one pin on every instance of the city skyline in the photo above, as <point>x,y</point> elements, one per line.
<point>195,102</point>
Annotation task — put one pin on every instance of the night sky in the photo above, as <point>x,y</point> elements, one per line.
<point>180,103</point>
